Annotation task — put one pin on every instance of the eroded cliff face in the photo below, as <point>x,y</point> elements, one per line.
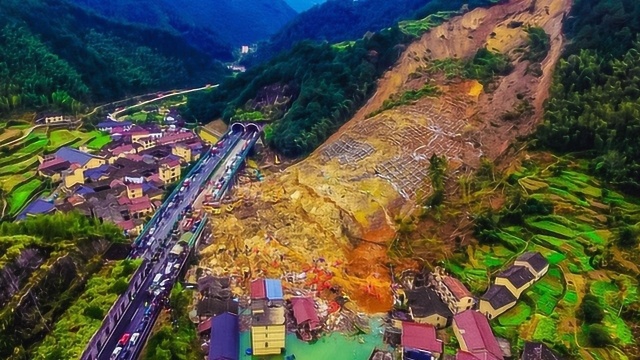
<point>335,210</point>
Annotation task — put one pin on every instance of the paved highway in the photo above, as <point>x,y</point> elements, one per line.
<point>157,244</point>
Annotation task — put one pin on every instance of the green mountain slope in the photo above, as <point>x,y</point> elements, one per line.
<point>91,58</point>
<point>203,22</point>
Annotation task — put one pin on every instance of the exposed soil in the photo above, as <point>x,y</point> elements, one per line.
<point>330,218</point>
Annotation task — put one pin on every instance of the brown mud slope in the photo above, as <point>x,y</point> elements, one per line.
<point>335,210</point>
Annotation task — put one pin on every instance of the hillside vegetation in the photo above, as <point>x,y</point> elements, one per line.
<point>331,82</point>
<point>46,262</point>
<point>88,57</point>
<point>206,25</point>
<point>594,99</point>
<point>340,20</point>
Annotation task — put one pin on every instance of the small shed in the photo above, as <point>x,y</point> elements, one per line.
<point>305,313</point>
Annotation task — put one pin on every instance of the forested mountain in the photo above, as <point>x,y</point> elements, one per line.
<point>593,107</point>
<point>328,84</point>
<point>204,22</point>
<point>340,20</point>
<point>303,5</point>
<point>88,57</point>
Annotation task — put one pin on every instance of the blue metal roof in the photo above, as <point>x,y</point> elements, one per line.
<point>73,155</point>
<point>36,207</point>
<point>96,174</point>
<point>84,190</point>
<point>274,289</point>
<point>112,124</point>
<point>225,337</point>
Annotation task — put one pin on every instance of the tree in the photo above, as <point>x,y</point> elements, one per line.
<point>179,300</point>
<point>627,236</point>
<point>590,310</point>
<point>119,287</point>
<point>94,312</point>
<point>599,336</point>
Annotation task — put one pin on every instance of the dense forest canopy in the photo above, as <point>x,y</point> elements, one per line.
<point>89,57</point>
<point>340,20</point>
<point>204,24</point>
<point>593,105</point>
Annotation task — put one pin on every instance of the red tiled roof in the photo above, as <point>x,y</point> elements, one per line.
<point>52,162</point>
<point>204,326</point>
<point>122,149</point>
<point>421,337</point>
<point>456,287</point>
<point>134,157</point>
<point>126,225</point>
<point>134,208</point>
<point>75,200</point>
<point>123,200</point>
<point>304,310</point>
<point>170,162</point>
<point>463,355</point>
<point>476,332</point>
<point>174,138</point>
<point>258,289</point>
<point>139,200</point>
<point>134,186</point>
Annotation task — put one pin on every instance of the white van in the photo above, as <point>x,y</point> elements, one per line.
<point>115,353</point>
<point>134,339</point>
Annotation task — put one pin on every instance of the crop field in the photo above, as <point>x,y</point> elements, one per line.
<point>98,141</point>
<point>60,138</point>
<point>572,239</point>
<point>21,195</point>
<point>20,167</point>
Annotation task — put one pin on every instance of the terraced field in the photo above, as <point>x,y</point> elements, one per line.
<point>577,239</point>
<point>22,194</point>
<point>18,167</point>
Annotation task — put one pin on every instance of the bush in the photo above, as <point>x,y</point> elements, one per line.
<point>598,336</point>
<point>590,310</point>
<point>627,237</point>
<point>94,312</point>
<point>119,287</point>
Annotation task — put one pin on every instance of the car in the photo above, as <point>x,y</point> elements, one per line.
<point>124,339</point>
<point>157,279</point>
<point>125,354</point>
<point>164,282</point>
<point>134,339</point>
<point>116,352</point>
<point>152,230</point>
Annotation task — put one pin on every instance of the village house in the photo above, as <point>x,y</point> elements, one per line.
<point>134,190</point>
<point>110,125</point>
<point>307,321</point>
<point>173,138</point>
<point>268,328</point>
<point>516,279</point>
<point>496,301</point>
<point>73,176</point>
<point>169,170</point>
<point>475,337</point>
<point>535,262</point>
<point>426,307</point>
<point>225,337</point>
<point>131,227</point>
<point>187,152</point>
<point>452,292</point>
<point>509,284</point>
<point>55,118</point>
<point>419,342</point>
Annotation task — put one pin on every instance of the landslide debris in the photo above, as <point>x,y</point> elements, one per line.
<point>327,222</point>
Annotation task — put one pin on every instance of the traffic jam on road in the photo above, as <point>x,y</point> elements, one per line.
<point>165,245</point>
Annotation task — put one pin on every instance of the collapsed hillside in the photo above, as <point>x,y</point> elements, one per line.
<point>336,209</point>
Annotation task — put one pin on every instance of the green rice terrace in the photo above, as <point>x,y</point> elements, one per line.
<point>19,161</point>
<point>581,238</point>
